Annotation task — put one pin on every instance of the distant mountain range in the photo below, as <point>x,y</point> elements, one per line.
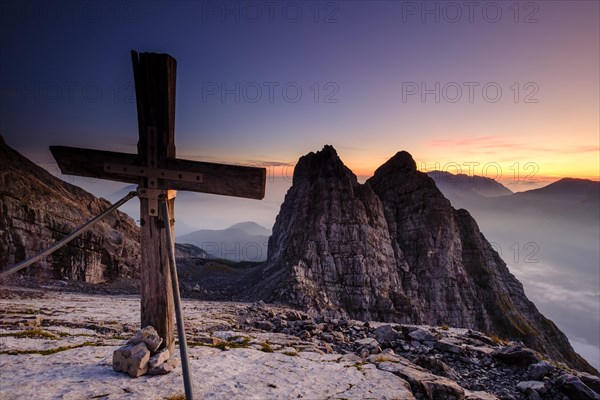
<point>569,199</point>
<point>474,185</point>
<point>245,241</point>
<point>566,189</point>
<point>568,195</point>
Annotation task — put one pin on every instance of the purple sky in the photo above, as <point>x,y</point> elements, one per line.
<point>375,77</point>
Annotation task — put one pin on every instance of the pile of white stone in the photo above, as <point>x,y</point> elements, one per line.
<point>141,355</point>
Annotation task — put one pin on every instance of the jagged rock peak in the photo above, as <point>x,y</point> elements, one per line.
<point>402,161</point>
<point>322,164</point>
<point>400,174</point>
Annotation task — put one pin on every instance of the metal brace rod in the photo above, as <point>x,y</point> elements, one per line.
<point>185,363</point>
<point>43,254</point>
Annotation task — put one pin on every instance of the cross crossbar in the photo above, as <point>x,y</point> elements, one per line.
<point>223,179</point>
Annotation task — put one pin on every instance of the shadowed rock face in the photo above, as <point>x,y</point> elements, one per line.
<point>394,249</point>
<point>37,209</point>
<point>454,274</point>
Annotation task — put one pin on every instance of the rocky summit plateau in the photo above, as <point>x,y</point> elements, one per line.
<point>60,345</point>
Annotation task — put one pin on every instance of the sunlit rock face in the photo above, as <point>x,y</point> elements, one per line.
<point>38,209</point>
<point>394,249</point>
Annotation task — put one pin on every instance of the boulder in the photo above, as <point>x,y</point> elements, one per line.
<point>436,366</point>
<point>516,355</point>
<point>539,370</point>
<point>435,387</point>
<point>386,334</point>
<point>367,346</point>
<point>591,381</point>
<point>575,389</point>
<point>149,336</point>
<point>538,386</point>
<point>448,347</point>
<point>367,342</point>
<point>162,369</point>
<point>532,394</point>
<point>132,359</point>
<point>422,335</point>
<point>478,395</point>
<point>159,358</point>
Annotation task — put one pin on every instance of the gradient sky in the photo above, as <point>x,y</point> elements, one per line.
<point>66,78</point>
<point>375,77</point>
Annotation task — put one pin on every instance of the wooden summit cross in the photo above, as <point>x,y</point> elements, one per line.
<point>158,173</point>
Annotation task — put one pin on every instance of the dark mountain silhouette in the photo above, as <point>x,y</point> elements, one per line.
<point>476,185</point>
<point>568,199</point>
<point>251,228</point>
<point>567,189</point>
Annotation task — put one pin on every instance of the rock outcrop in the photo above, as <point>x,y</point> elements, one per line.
<point>394,249</point>
<point>37,209</point>
<point>330,249</point>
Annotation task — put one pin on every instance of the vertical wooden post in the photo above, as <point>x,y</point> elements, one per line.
<point>154,76</point>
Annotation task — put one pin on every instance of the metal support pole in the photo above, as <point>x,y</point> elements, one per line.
<point>25,263</point>
<point>185,363</point>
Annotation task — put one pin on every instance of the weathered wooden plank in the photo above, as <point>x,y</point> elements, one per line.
<point>90,163</point>
<point>154,76</point>
<point>227,180</point>
<point>156,291</point>
<point>222,179</point>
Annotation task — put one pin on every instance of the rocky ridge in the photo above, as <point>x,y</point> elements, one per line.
<point>186,251</point>
<point>394,249</point>
<point>437,362</point>
<point>37,209</point>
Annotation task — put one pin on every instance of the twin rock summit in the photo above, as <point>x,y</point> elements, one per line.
<point>392,249</point>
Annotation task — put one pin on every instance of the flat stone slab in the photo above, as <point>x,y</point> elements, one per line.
<point>239,373</point>
<point>86,372</point>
